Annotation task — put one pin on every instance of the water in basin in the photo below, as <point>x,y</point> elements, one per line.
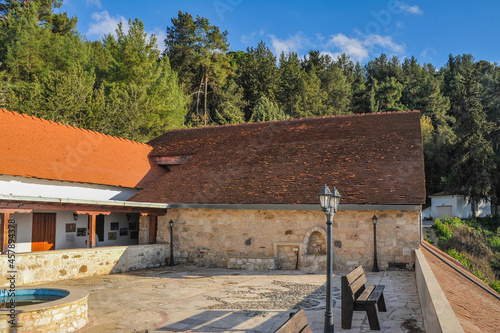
<point>25,297</point>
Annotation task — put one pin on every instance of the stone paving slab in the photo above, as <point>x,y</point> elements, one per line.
<point>194,299</point>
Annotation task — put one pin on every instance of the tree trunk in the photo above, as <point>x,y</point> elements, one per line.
<point>206,84</point>
<point>473,207</point>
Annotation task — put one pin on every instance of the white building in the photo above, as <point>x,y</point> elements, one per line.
<point>446,204</point>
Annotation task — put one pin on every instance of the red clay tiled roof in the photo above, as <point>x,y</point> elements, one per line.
<point>476,309</point>
<point>35,147</point>
<point>371,159</point>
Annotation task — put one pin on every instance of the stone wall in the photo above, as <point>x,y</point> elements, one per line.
<point>251,263</point>
<point>207,237</point>
<point>37,267</point>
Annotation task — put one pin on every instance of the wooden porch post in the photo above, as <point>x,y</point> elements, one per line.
<point>153,228</point>
<point>92,230</point>
<point>4,231</point>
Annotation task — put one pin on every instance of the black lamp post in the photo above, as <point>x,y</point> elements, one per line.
<point>329,202</point>
<point>171,243</point>
<point>375,263</point>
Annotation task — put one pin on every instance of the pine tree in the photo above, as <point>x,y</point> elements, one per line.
<point>197,52</point>
<point>290,85</point>
<point>265,110</point>
<point>471,173</point>
<point>143,95</point>
<point>258,76</point>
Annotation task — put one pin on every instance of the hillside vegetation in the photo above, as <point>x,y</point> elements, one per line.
<point>474,242</point>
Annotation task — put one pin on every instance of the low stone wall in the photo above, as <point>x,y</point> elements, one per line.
<point>312,263</point>
<point>38,267</point>
<point>66,315</point>
<point>438,314</point>
<point>207,237</point>
<point>251,263</point>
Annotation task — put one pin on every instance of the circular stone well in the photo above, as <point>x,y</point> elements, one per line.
<point>44,309</point>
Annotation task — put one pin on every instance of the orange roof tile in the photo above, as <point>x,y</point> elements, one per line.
<point>476,309</point>
<point>35,147</point>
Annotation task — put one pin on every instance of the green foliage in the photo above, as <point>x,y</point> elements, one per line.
<point>197,52</point>
<point>387,95</point>
<point>120,86</point>
<point>230,106</point>
<point>495,285</point>
<point>123,86</point>
<point>258,76</point>
<point>265,110</point>
<point>470,242</point>
<point>473,151</point>
<point>460,257</point>
<point>494,242</point>
<point>443,231</point>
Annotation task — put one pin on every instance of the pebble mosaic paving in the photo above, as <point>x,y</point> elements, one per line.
<point>194,299</point>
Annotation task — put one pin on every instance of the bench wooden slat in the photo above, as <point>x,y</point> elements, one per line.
<point>366,294</point>
<point>297,323</point>
<point>376,293</point>
<point>357,286</point>
<point>355,274</point>
<point>356,296</point>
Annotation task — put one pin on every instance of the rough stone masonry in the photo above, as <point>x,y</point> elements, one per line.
<point>226,237</point>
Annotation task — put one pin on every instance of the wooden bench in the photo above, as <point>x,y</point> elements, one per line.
<point>297,323</point>
<point>358,297</point>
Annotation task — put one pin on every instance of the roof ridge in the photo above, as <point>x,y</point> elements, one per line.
<point>293,120</point>
<point>55,123</point>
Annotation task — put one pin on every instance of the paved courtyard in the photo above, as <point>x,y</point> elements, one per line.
<point>193,299</point>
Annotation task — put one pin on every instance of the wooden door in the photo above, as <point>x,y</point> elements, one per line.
<point>43,232</point>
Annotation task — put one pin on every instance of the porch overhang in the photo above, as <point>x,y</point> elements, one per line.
<point>24,204</point>
<point>10,204</point>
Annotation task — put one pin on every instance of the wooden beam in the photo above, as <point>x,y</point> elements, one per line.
<point>12,211</point>
<point>92,228</point>
<point>4,231</point>
<point>172,160</point>
<point>81,212</point>
<point>153,228</point>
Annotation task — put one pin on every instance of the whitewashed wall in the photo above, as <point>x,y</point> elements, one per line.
<point>70,240</point>
<point>22,186</point>
<point>460,207</point>
<point>23,232</point>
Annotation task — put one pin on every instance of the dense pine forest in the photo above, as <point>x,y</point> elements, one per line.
<point>124,85</point>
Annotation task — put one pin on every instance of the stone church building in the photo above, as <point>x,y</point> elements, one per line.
<point>239,196</point>
<point>245,196</point>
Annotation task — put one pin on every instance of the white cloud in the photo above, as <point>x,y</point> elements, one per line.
<point>320,37</point>
<point>333,55</point>
<point>291,44</point>
<point>104,24</point>
<point>354,47</point>
<point>428,53</point>
<point>248,39</point>
<point>385,42</point>
<point>96,3</point>
<point>360,48</point>
<point>252,38</point>
<point>405,8</point>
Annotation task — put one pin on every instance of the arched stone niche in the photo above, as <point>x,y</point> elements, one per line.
<point>315,241</point>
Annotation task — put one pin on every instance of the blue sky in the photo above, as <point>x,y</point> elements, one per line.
<point>429,30</point>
